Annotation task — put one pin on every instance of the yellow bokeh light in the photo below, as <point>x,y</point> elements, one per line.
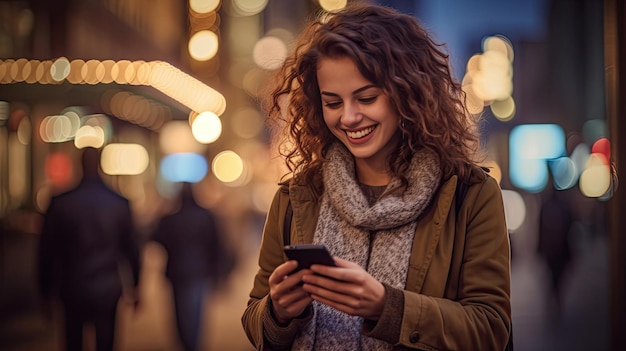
<point>28,72</point>
<point>499,43</point>
<point>124,159</point>
<point>107,68</point>
<point>5,68</point>
<point>76,67</point>
<point>203,45</point>
<point>333,5</point>
<point>490,85</point>
<point>16,69</point>
<point>204,6</point>
<point>227,166</point>
<point>473,64</point>
<point>186,89</point>
<point>92,72</point>
<point>143,70</point>
<point>43,75</point>
<point>595,180</point>
<point>503,110</point>
<point>60,69</point>
<point>118,71</point>
<point>206,127</point>
<point>89,136</point>
<point>57,129</point>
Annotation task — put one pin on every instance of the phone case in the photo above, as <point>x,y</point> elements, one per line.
<point>308,254</point>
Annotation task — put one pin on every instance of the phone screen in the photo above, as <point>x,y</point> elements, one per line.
<point>309,254</point>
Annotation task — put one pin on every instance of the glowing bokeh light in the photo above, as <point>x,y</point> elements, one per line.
<point>488,79</point>
<point>530,147</point>
<point>185,89</point>
<point>500,44</point>
<point>204,6</point>
<point>227,166</point>
<point>564,173</point>
<point>56,129</point>
<point>206,127</point>
<point>203,45</point>
<point>183,167</point>
<point>595,180</point>
<point>99,120</point>
<point>76,67</point>
<point>59,169</point>
<point>60,69</point>
<point>162,76</point>
<point>602,147</point>
<point>124,159</point>
<point>538,141</point>
<point>503,110</point>
<point>89,136</point>
<point>333,5</point>
<point>514,209</point>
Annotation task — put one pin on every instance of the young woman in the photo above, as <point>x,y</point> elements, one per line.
<point>380,139</point>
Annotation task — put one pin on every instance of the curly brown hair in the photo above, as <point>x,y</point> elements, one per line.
<point>394,52</point>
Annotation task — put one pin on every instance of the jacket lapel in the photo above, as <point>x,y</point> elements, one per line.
<point>428,233</point>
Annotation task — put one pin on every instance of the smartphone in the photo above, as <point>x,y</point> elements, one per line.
<point>308,254</point>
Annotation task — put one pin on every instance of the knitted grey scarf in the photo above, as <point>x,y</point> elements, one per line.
<point>377,237</point>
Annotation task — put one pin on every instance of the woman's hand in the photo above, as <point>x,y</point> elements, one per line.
<point>289,299</point>
<point>347,287</point>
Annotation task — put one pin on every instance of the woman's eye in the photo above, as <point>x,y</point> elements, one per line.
<point>368,100</point>
<point>333,104</point>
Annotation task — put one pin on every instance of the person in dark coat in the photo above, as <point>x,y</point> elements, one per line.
<point>555,220</point>
<point>195,261</point>
<point>87,236</point>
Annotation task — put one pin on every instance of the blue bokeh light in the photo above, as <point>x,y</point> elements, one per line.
<point>184,167</point>
<point>531,146</point>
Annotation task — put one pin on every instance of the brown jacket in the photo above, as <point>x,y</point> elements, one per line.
<point>457,294</point>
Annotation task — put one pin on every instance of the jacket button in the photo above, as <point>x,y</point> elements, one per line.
<point>414,337</point>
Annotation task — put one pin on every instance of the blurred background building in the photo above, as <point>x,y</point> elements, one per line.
<point>169,89</point>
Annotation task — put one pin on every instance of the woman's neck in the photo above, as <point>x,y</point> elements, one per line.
<point>372,174</point>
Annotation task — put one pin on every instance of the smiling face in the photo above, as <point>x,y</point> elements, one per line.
<point>358,113</point>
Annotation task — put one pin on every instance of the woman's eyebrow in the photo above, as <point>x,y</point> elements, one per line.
<point>328,93</point>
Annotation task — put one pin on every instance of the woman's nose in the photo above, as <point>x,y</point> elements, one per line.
<point>351,114</point>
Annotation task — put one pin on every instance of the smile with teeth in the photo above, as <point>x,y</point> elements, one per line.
<point>360,133</point>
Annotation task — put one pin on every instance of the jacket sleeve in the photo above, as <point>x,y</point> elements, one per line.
<point>259,325</point>
<point>478,318</point>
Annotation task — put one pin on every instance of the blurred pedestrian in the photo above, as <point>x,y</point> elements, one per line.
<point>554,246</point>
<point>196,261</point>
<point>87,236</point>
